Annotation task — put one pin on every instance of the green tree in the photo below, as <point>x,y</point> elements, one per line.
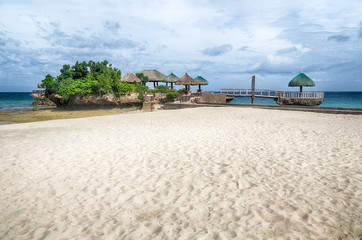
<point>143,78</point>
<point>51,85</point>
<point>80,70</point>
<point>92,78</point>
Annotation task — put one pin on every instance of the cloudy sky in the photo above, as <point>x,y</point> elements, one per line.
<point>226,42</point>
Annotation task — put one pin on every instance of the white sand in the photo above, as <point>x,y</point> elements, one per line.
<point>207,173</point>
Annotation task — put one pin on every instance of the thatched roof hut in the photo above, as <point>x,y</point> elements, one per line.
<point>40,85</point>
<point>201,81</point>
<point>154,76</point>
<point>187,81</point>
<point>172,78</point>
<point>131,78</point>
<point>301,80</point>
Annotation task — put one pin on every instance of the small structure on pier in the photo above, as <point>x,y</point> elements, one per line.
<point>301,98</point>
<point>301,80</point>
<point>282,97</point>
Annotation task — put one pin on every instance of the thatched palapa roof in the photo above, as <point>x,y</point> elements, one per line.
<point>131,78</point>
<point>41,85</point>
<point>154,75</point>
<point>301,80</point>
<point>186,80</point>
<point>201,81</point>
<point>172,78</point>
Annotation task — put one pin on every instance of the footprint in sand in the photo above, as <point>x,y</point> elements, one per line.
<point>269,215</point>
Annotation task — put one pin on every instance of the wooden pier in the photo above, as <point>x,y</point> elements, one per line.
<point>234,92</point>
<point>280,97</point>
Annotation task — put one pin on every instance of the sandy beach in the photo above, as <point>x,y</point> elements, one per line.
<point>205,173</point>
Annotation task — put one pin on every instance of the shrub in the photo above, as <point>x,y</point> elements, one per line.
<point>182,90</point>
<point>125,87</point>
<point>171,95</point>
<point>140,88</point>
<point>162,88</point>
<point>141,95</point>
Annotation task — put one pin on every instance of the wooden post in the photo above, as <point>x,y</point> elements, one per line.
<point>252,89</point>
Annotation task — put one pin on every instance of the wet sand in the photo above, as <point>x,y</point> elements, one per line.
<point>45,114</point>
<point>205,173</point>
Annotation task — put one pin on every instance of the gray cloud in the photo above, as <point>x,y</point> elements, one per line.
<point>218,50</point>
<point>287,50</point>
<point>112,26</point>
<point>338,38</point>
<point>245,49</point>
<point>78,40</point>
<point>360,30</point>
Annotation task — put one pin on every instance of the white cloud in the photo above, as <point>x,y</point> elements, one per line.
<point>235,38</point>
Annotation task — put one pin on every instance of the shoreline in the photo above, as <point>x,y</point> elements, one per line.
<point>52,113</point>
<point>332,110</point>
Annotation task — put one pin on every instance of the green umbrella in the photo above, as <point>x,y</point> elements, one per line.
<point>301,80</point>
<point>172,78</point>
<point>201,81</point>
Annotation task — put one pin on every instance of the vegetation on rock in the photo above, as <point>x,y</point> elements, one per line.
<point>92,78</point>
<point>96,79</point>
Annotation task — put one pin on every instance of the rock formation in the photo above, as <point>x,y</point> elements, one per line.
<point>105,101</point>
<point>41,100</point>
<point>299,101</point>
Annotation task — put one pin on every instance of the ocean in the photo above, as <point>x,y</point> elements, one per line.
<point>333,99</point>
<point>10,101</point>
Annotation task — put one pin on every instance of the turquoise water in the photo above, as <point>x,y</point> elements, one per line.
<point>21,100</point>
<point>15,101</point>
<point>333,99</point>
<point>343,99</point>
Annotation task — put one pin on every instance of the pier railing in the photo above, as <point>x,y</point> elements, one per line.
<point>249,92</point>
<point>38,92</point>
<point>303,95</point>
<point>269,93</point>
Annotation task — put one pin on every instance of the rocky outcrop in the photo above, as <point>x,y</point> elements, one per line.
<point>299,101</point>
<point>41,100</point>
<point>105,101</point>
<point>57,99</point>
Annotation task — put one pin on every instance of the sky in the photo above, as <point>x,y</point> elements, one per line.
<point>226,42</point>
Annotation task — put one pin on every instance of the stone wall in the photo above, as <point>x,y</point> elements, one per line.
<point>213,98</point>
